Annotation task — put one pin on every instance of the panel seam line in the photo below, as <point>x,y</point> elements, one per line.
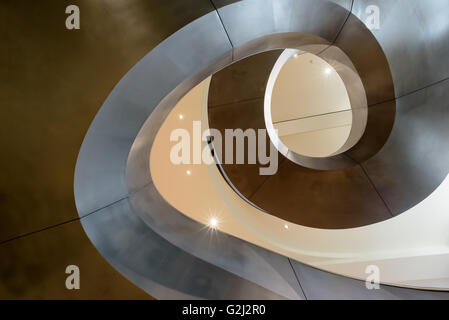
<point>61,223</point>
<point>224,28</point>
<point>297,278</point>
<point>373,185</point>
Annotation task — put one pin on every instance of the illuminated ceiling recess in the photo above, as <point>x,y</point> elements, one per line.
<point>310,107</point>
<point>314,108</point>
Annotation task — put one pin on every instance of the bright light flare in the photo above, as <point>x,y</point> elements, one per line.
<point>213,223</point>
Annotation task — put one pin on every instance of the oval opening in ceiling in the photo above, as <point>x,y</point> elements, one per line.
<point>310,107</point>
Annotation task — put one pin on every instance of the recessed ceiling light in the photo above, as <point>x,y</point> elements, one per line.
<point>213,223</point>
<point>286,226</point>
<point>181,116</point>
<point>189,172</point>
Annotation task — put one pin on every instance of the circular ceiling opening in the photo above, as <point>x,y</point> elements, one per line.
<point>310,106</point>
<point>315,108</point>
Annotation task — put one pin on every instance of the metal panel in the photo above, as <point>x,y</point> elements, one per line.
<point>336,199</point>
<point>100,170</point>
<point>363,86</point>
<point>227,92</point>
<point>322,285</point>
<point>251,19</point>
<point>268,269</point>
<point>158,267</point>
<point>415,159</point>
<point>365,53</point>
<point>415,37</point>
<point>377,132</point>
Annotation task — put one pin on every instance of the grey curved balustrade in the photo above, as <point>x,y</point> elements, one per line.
<point>152,244</point>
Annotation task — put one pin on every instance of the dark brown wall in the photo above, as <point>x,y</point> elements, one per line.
<point>53,81</point>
